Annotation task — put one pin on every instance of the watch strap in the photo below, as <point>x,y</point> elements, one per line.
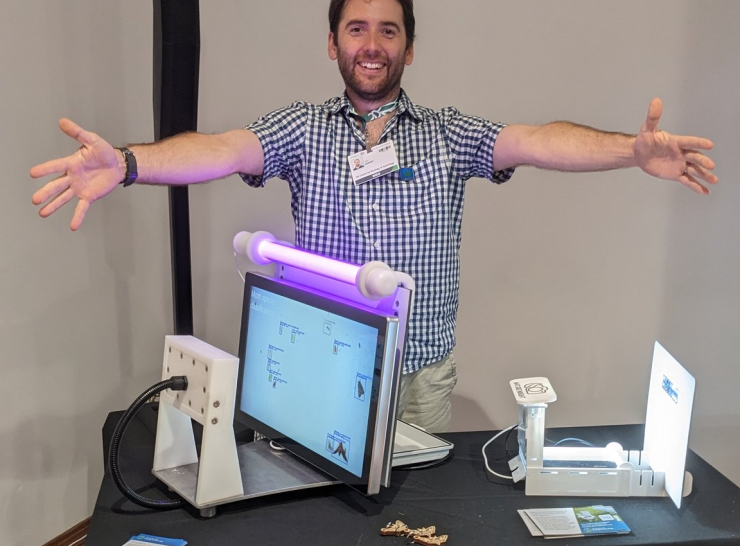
<point>132,172</point>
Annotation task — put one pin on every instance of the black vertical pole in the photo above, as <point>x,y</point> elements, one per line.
<point>176,66</point>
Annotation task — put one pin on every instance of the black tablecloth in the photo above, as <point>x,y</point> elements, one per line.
<point>459,497</point>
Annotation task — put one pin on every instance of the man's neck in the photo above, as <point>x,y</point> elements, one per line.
<point>363,107</point>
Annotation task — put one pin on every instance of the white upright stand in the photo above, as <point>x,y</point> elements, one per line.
<point>576,471</point>
<point>208,400</point>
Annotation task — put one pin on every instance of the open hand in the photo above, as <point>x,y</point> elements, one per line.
<point>673,157</point>
<point>88,174</point>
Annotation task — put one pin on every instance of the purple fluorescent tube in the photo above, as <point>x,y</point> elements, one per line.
<point>314,263</point>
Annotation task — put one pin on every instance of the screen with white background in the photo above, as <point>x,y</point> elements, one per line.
<point>308,373</point>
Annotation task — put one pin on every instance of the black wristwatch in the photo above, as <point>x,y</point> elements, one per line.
<point>132,173</point>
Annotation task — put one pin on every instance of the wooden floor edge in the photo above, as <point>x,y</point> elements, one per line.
<point>72,537</point>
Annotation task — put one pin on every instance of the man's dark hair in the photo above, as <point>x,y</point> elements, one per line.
<point>336,7</point>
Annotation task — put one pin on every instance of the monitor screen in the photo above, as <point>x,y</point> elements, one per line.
<point>313,373</point>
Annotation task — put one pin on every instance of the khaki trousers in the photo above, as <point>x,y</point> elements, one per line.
<point>425,397</point>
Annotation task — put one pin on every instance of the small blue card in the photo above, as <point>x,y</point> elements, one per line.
<point>146,540</point>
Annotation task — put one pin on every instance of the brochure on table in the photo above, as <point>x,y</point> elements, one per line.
<point>573,522</point>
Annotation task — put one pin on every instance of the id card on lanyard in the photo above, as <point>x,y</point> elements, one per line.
<point>379,161</point>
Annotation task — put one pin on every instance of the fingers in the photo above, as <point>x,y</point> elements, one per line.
<point>63,194</point>
<point>59,201</point>
<point>59,190</point>
<point>695,173</point>
<point>694,143</point>
<point>698,158</point>
<point>79,215</point>
<point>689,181</point>
<point>73,130</point>
<point>50,167</point>
<point>655,111</point>
<point>70,128</point>
<point>51,189</point>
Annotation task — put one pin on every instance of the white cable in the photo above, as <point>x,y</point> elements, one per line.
<point>276,447</point>
<point>236,263</point>
<point>485,459</point>
<point>584,442</point>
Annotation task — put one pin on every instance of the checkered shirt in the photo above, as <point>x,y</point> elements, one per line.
<point>414,226</point>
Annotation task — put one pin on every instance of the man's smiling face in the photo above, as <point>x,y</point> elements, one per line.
<point>371,50</point>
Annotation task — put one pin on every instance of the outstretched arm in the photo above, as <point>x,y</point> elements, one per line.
<point>96,168</point>
<point>566,146</point>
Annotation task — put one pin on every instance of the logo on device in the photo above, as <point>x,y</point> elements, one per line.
<point>535,388</point>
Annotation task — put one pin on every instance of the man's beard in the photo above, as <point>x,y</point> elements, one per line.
<point>379,89</point>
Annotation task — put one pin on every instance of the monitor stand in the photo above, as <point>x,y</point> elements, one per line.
<point>267,471</point>
<point>264,471</point>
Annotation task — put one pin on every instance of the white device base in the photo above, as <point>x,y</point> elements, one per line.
<point>593,472</point>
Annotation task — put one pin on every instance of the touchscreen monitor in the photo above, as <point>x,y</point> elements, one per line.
<point>316,374</point>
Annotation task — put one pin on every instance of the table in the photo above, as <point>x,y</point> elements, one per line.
<point>459,497</point>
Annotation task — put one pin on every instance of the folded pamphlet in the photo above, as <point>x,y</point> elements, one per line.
<point>573,522</point>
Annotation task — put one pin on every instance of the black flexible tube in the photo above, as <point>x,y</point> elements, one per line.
<point>179,383</point>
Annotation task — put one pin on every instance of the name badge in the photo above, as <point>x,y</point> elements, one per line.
<point>379,161</point>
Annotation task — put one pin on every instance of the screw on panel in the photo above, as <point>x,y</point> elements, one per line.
<point>206,368</point>
<point>190,402</point>
<point>202,411</point>
<point>216,404</point>
<point>204,390</point>
<point>214,421</point>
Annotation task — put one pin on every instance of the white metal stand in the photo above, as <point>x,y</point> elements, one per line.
<point>209,400</point>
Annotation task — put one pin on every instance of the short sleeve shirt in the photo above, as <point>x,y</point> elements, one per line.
<point>414,226</point>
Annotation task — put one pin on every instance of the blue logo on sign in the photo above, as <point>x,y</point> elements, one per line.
<point>670,389</point>
<point>407,174</point>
